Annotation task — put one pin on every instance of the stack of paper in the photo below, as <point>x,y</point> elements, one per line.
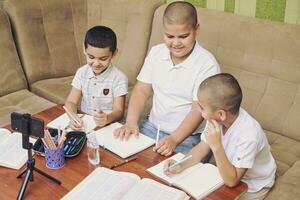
<point>124,149</point>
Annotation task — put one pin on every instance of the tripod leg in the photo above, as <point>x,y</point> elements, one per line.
<point>24,184</point>
<point>47,175</point>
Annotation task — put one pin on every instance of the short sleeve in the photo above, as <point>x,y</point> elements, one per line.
<point>145,74</point>
<point>245,154</point>
<point>121,86</point>
<point>210,71</point>
<point>77,80</point>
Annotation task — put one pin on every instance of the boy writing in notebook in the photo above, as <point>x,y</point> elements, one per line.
<point>238,142</point>
<point>172,72</point>
<point>99,87</point>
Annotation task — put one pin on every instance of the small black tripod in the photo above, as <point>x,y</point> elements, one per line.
<point>26,124</point>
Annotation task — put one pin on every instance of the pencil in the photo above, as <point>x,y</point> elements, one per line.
<point>71,115</point>
<point>157,135</point>
<point>180,161</point>
<point>122,163</point>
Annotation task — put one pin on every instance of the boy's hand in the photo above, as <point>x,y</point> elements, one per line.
<point>165,146</point>
<point>213,135</point>
<point>75,125</point>
<point>174,170</point>
<point>100,118</point>
<point>126,130</point>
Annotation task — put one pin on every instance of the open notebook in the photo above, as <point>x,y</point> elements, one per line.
<point>63,122</point>
<point>103,184</point>
<point>12,154</point>
<point>198,180</point>
<point>124,149</point>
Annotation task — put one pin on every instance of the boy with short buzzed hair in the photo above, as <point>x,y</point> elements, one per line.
<point>172,72</point>
<point>99,87</point>
<point>238,142</point>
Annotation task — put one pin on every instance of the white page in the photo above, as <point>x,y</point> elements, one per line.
<point>198,180</point>
<point>12,154</point>
<point>63,122</point>
<point>148,189</point>
<point>204,181</point>
<point>124,149</point>
<point>158,170</point>
<point>103,184</point>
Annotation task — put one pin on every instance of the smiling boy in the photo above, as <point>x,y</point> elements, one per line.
<point>99,85</point>
<point>172,72</point>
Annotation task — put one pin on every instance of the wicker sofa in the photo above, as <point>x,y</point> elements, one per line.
<point>263,55</point>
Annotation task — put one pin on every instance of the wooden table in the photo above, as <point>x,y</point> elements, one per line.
<point>77,168</point>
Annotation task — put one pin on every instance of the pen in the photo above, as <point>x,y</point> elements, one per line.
<point>122,163</point>
<point>157,135</point>
<point>180,161</point>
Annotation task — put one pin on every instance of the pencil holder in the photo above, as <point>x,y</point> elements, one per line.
<point>55,158</point>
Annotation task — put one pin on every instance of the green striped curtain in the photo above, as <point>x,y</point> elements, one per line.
<point>278,10</point>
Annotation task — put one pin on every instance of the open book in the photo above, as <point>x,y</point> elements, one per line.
<point>104,184</point>
<point>198,180</point>
<point>124,149</point>
<point>12,154</point>
<point>63,121</point>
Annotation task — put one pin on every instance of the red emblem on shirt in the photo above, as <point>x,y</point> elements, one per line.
<point>105,91</point>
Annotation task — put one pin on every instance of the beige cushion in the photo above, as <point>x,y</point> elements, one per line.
<point>55,90</point>
<point>49,35</point>
<point>287,186</point>
<point>12,75</point>
<point>21,101</point>
<point>14,95</point>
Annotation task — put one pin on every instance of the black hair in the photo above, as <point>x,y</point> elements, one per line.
<point>101,37</point>
<point>224,92</point>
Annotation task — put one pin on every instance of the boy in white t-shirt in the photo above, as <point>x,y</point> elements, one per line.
<point>238,143</point>
<point>99,85</point>
<point>172,72</point>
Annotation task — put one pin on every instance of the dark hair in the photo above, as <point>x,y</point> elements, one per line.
<point>101,37</point>
<point>224,92</point>
<point>180,12</point>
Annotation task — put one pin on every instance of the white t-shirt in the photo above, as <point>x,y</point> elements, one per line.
<point>175,86</point>
<point>98,92</point>
<point>246,146</point>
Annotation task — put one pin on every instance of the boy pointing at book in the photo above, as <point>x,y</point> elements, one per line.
<point>238,143</point>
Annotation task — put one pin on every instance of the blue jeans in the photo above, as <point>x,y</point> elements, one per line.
<point>147,128</point>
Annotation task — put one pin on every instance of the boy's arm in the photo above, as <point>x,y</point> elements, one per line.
<point>140,94</point>
<point>71,104</point>
<point>190,123</point>
<point>230,174</point>
<point>117,114</point>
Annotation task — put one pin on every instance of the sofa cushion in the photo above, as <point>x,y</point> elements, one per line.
<point>55,89</point>
<point>12,75</point>
<point>286,151</point>
<point>49,36</point>
<point>14,95</point>
<point>21,101</point>
<point>287,186</point>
